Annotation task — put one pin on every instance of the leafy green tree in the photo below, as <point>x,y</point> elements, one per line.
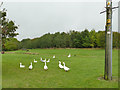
<point>25,43</point>
<point>75,39</point>
<point>57,40</point>
<point>85,38</point>
<point>67,39</point>
<point>11,44</point>
<point>93,38</point>
<point>8,27</point>
<point>101,39</point>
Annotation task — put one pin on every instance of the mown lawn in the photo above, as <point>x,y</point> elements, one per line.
<point>86,67</point>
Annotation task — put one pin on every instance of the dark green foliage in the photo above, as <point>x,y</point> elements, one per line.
<point>11,44</point>
<point>72,39</point>
<point>25,43</point>
<point>93,39</point>
<point>85,39</point>
<point>101,39</point>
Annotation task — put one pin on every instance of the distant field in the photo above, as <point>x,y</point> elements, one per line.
<point>86,68</point>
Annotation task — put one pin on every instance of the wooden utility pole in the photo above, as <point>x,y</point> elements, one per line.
<point>108,40</point>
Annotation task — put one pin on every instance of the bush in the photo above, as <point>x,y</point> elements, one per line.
<point>11,44</point>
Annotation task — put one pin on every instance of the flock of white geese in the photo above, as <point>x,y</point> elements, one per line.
<point>45,66</point>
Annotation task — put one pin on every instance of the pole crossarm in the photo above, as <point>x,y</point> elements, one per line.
<point>115,7</point>
<point>108,7</point>
<point>103,12</point>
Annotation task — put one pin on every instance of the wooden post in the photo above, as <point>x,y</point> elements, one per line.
<point>108,41</point>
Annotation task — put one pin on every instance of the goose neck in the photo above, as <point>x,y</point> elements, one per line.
<point>64,64</point>
<point>45,63</point>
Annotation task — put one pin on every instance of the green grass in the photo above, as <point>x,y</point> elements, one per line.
<point>86,66</point>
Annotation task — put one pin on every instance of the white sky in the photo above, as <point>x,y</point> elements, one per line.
<point>38,17</point>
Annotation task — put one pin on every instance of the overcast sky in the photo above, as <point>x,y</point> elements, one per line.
<point>38,18</point>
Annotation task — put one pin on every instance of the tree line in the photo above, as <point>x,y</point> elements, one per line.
<point>71,39</point>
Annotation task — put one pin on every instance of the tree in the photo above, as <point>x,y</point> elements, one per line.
<point>101,39</point>
<point>93,39</point>
<point>85,38</point>
<point>25,43</point>
<point>57,40</point>
<point>7,26</point>
<point>11,44</point>
<point>75,39</point>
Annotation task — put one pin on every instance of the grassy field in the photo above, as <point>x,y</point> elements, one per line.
<point>86,68</point>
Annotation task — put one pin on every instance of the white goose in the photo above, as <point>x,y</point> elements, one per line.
<point>60,66</point>
<point>45,67</point>
<point>66,68</point>
<point>69,55</point>
<point>48,60</point>
<point>43,60</point>
<point>35,61</point>
<point>30,67</point>
<point>54,56</point>
<point>22,66</point>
